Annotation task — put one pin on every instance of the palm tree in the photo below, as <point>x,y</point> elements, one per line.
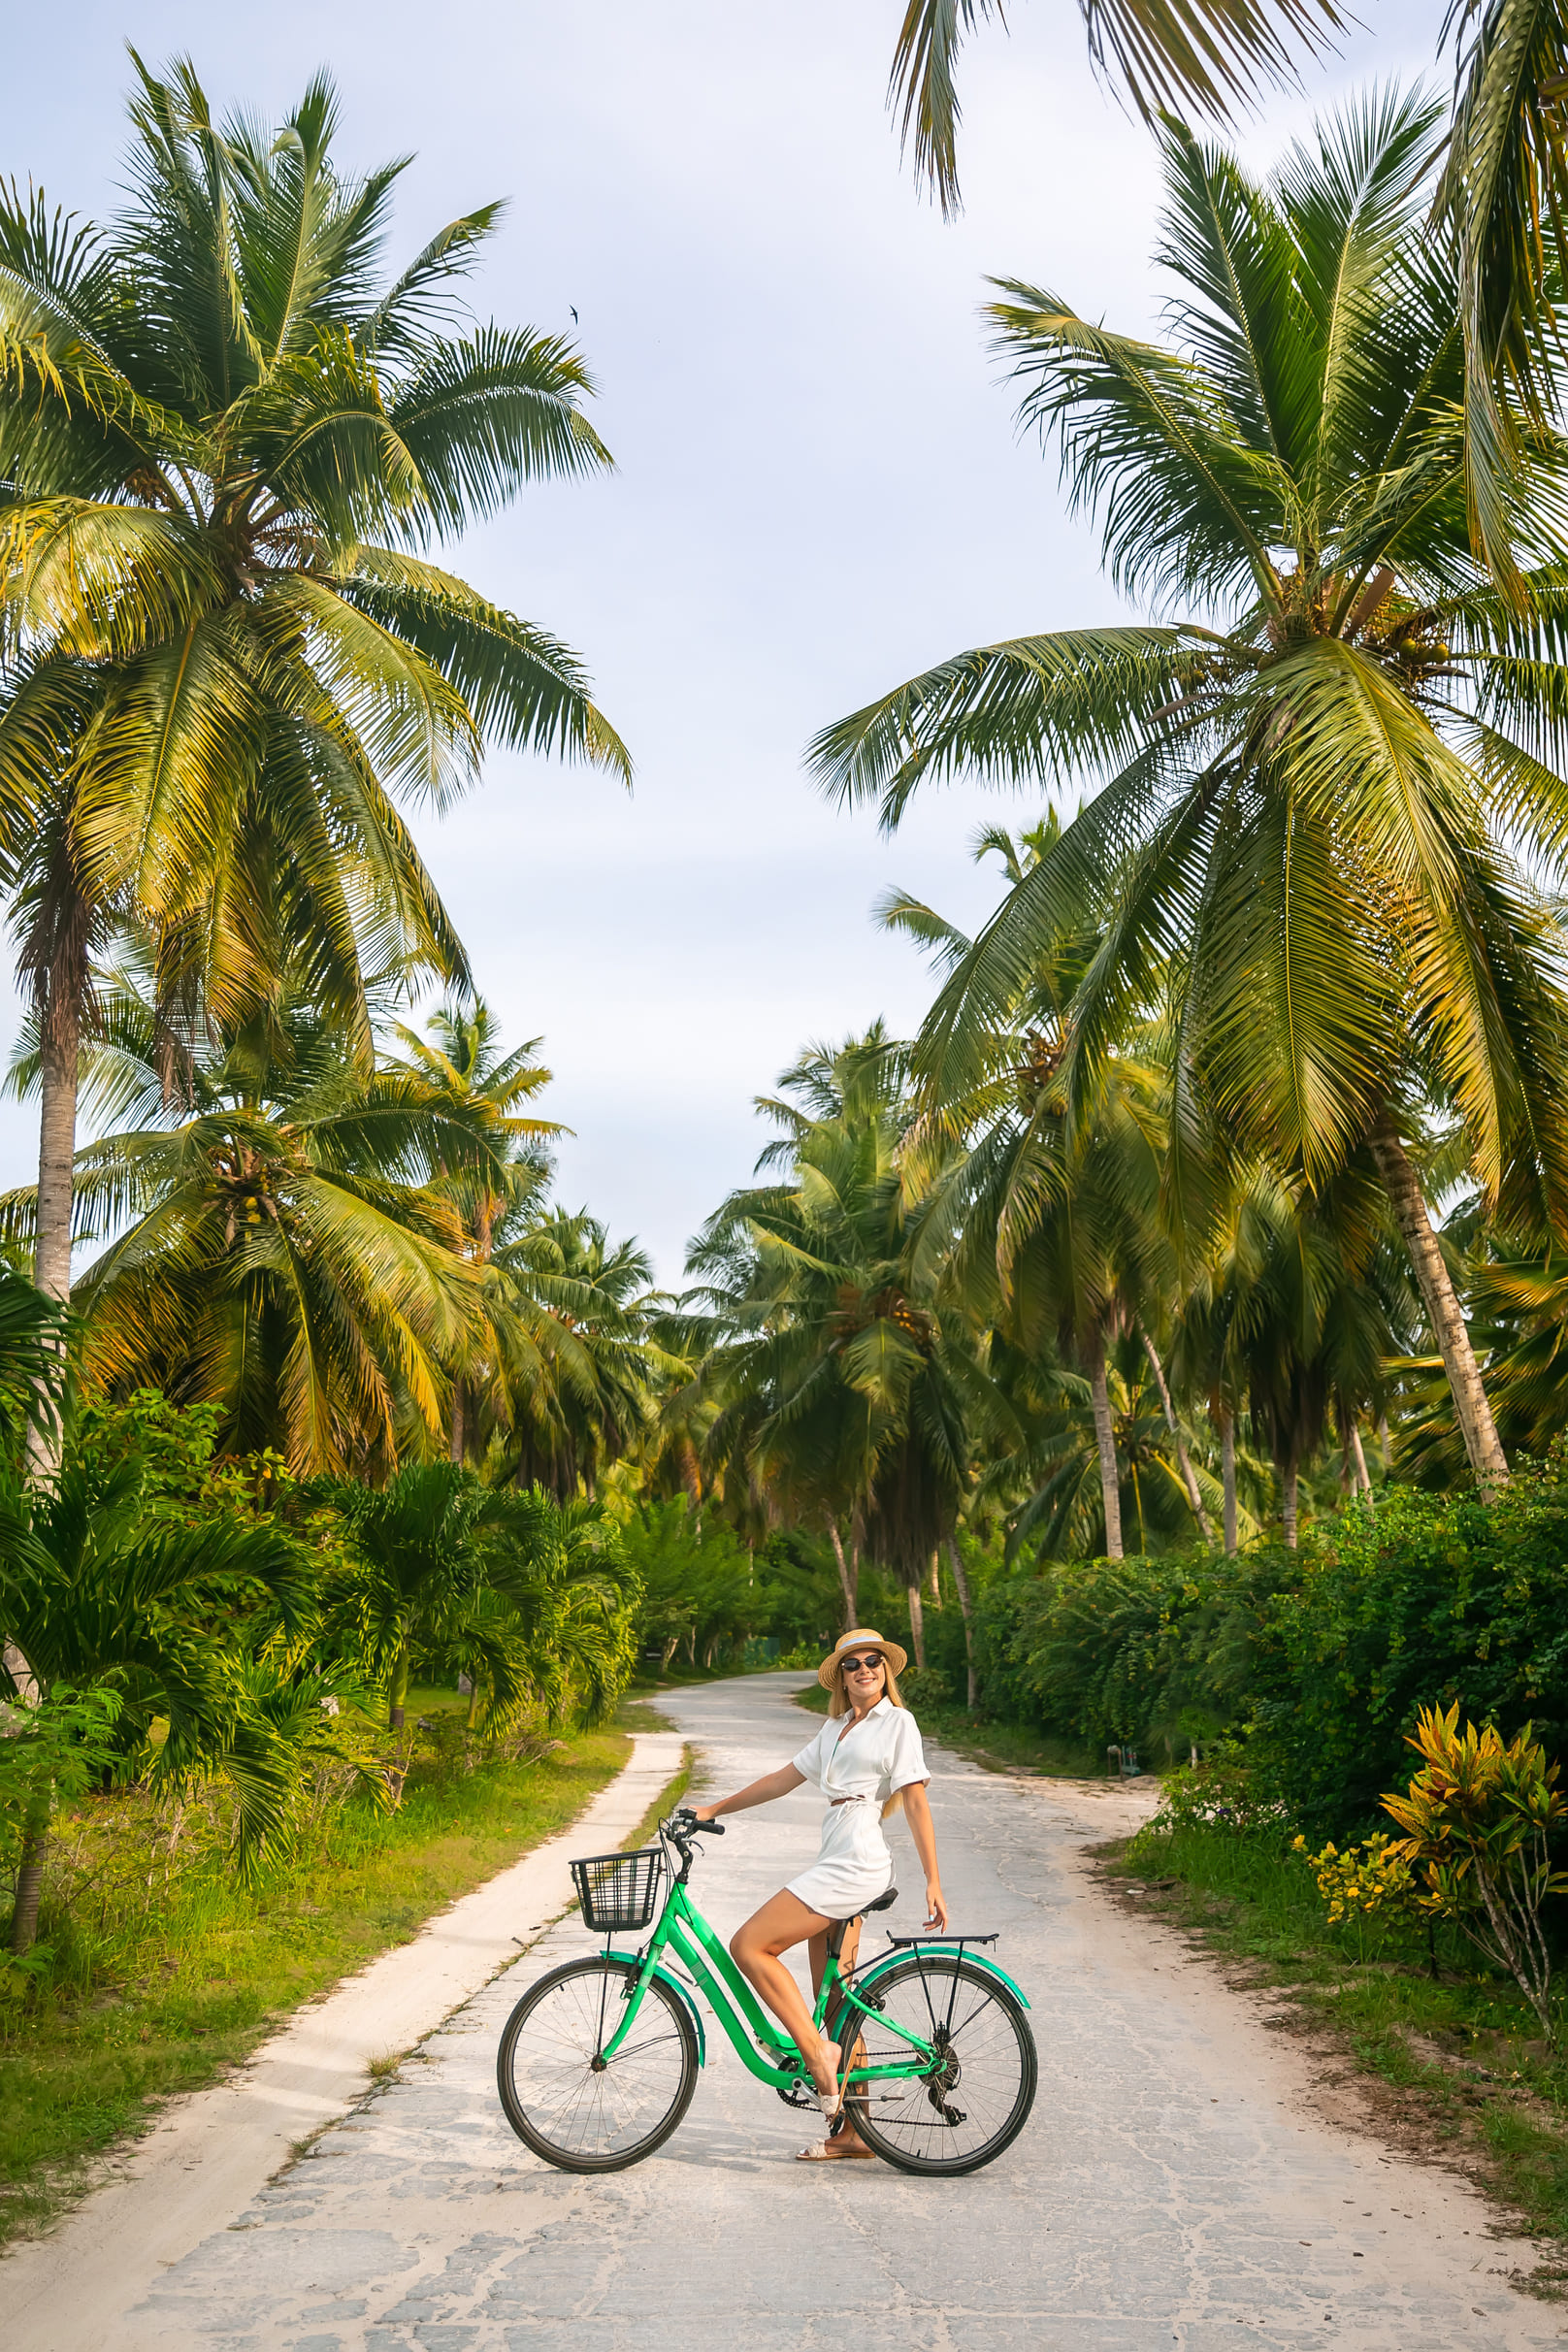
<point>1051,1489</point>
<point>1501,201</point>
<point>1313,783</point>
<point>459,1067</point>
<point>524,1596</point>
<point>1177,53</point>
<point>575,1317</point>
<point>102,1588</point>
<point>281,1247</point>
<point>857,1388</point>
<point>34,1335</point>
<point>1067,1216</point>
<point>227,442</point>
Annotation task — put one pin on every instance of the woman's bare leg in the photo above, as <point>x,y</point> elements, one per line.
<point>845,2140</point>
<point>756,1948</point>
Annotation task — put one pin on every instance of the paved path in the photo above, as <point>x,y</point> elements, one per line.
<point>1173,2188</point>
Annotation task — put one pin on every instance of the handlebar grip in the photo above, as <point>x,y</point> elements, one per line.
<point>710,1829</point>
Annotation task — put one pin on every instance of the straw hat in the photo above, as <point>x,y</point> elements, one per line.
<point>861,1639</point>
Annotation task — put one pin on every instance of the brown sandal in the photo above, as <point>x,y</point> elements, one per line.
<point>829,2151</point>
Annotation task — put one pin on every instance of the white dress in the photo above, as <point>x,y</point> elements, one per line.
<point>869,1763</point>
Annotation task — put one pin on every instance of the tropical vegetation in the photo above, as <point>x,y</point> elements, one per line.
<point>1170,1340</point>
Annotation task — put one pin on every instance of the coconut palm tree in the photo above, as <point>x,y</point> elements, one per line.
<point>459,1066</point>
<point>1179,54</point>
<point>1315,782</point>
<point>1501,200</point>
<point>1065,1216</point>
<point>575,1322</point>
<point>856,1383</point>
<point>228,442</point>
<point>282,1246</point>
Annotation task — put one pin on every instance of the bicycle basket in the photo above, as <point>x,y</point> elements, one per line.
<point>617,1892</point>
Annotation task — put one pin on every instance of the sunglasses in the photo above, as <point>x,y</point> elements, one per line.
<point>871,1665</point>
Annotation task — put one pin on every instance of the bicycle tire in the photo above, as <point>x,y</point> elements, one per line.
<point>989,2042</point>
<point>572,2115</point>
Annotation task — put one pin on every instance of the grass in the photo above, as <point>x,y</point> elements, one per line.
<point>1455,2064</point>
<point>1002,1746</point>
<point>168,1997</point>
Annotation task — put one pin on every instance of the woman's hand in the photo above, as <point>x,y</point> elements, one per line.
<point>706,1812</point>
<point>936,1907</point>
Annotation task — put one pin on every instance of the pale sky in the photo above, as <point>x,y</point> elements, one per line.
<point>820,488</point>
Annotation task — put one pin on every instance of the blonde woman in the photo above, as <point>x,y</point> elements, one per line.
<point>866,1759</point>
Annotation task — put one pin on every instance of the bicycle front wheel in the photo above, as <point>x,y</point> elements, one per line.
<point>974,2100</point>
<point>570,2104</point>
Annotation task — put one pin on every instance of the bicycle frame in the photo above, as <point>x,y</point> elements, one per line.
<point>760,2043</point>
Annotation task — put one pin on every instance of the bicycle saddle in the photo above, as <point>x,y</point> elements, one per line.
<point>882,1903</point>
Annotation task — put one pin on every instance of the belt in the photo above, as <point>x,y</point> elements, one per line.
<point>860,1800</point>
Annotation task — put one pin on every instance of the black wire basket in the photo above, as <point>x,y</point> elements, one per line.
<point>618,1892</point>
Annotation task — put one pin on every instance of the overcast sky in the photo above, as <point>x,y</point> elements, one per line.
<point>820,489</point>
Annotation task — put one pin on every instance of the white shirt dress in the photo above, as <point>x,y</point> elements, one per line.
<point>869,1763</point>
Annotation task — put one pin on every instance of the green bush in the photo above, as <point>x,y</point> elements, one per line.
<point>1438,1600</point>
<point>923,1689</point>
<point>1319,1659</point>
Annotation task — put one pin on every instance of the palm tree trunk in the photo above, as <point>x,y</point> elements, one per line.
<point>1105,1441</point>
<point>30,1867</point>
<point>936,1579</point>
<point>916,1624</point>
<point>1183,1460</point>
<point>56,1158</point>
<point>1289,1500</point>
<point>459,1433</point>
<point>960,1578</point>
<point>1403,1186</point>
<point>398,1695</point>
<point>848,1577</point>
<point>1227,1466</point>
<point>1363,1482</point>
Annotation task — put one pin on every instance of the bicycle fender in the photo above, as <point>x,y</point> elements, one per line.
<point>865,1979</point>
<point>668,1977</point>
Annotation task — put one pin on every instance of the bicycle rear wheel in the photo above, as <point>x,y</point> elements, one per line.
<point>976,2100</point>
<point>567,2102</point>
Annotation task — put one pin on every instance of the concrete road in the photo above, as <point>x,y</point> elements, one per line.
<point>1174,2187</point>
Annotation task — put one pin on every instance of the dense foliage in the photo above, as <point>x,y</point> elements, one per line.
<point>1319,1659</point>
<point>1104,1340</point>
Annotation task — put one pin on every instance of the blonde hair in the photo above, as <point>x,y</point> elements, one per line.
<point>838,1707</point>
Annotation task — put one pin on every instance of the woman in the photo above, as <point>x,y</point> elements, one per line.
<point>866,1760</point>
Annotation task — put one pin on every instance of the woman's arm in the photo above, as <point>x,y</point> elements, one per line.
<point>758,1793</point>
<point>917,1813</point>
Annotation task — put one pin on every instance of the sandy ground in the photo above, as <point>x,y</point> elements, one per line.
<point>1178,2183</point>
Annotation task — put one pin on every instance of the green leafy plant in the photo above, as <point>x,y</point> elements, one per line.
<point>1368,1889</point>
<point>1478,1822</point>
<point>1222,1794</point>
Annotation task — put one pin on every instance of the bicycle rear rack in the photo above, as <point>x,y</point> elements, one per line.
<point>947,1943</point>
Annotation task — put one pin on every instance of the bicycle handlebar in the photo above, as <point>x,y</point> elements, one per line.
<point>684,1824</point>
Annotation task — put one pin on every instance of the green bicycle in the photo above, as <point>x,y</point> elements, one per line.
<point>598,2060</point>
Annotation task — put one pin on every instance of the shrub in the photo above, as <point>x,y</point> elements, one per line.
<point>923,1689</point>
<point>1223,1794</point>
<point>1445,1601</point>
<point>1477,1822</point>
<point>1367,1887</point>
